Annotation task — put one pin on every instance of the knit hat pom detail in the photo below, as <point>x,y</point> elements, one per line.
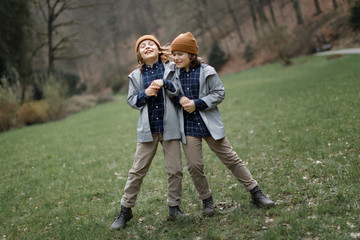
<point>185,42</point>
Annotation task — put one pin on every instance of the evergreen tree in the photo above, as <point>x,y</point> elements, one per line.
<point>355,16</point>
<point>15,19</point>
<point>217,57</point>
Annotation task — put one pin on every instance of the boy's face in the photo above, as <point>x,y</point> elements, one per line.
<point>149,51</point>
<point>182,59</point>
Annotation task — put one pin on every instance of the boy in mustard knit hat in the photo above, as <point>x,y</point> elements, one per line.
<point>150,92</point>
<point>201,91</point>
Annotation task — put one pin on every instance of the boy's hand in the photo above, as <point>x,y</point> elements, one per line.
<point>157,82</point>
<point>184,100</point>
<point>189,106</point>
<point>152,90</point>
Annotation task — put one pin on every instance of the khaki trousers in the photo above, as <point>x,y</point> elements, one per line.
<point>224,151</point>
<point>144,155</point>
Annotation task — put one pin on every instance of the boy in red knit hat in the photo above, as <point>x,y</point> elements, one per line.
<point>201,91</point>
<point>150,92</point>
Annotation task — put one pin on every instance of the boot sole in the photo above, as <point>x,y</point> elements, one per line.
<point>173,218</point>
<point>208,214</point>
<point>263,206</point>
<point>121,227</point>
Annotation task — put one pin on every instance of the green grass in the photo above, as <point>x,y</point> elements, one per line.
<point>296,127</point>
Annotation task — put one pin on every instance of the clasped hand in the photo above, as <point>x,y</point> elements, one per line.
<point>154,87</point>
<point>187,104</point>
<point>152,90</point>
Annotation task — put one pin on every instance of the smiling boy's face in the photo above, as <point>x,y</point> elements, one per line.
<point>182,59</point>
<point>149,51</point>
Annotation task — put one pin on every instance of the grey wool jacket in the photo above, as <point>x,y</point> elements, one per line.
<point>212,92</point>
<point>171,120</point>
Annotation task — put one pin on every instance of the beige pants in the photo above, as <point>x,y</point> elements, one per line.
<point>224,151</point>
<point>144,155</point>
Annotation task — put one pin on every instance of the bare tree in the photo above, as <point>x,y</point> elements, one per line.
<point>259,6</point>
<point>297,10</point>
<point>150,12</point>
<point>317,7</point>
<point>253,16</point>
<point>234,19</point>
<point>51,11</point>
<point>205,26</point>
<point>269,2</point>
<point>282,6</point>
<point>335,5</point>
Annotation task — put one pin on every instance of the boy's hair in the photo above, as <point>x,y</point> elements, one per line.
<point>195,61</point>
<point>165,56</point>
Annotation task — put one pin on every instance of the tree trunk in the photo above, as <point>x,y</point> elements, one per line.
<point>259,5</point>
<point>150,12</point>
<point>297,9</point>
<point>284,57</point>
<point>253,16</point>
<point>317,7</point>
<point>23,90</point>
<point>335,4</point>
<point>272,12</point>
<point>237,25</point>
<point>139,14</point>
<point>205,26</point>
<point>282,6</point>
<point>50,22</point>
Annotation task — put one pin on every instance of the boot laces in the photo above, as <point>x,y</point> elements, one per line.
<point>208,204</point>
<point>123,213</point>
<point>259,195</point>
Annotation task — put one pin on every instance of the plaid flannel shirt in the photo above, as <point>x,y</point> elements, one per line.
<point>155,103</point>
<point>193,123</point>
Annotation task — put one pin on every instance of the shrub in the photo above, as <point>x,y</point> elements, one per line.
<point>34,112</point>
<point>83,102</point>
<point>104,99</point>
<point>278,42</point>
<point>37,92</point>
<point>217,57</point>
<point>354,19</point>
<point>302,42</point>
<point>249,52</point>
<point>79,103</point>
<point>68,80</point>
<point>8,106</point>
<point>117,85</point>
<point>54,94</point>
<point>8,115</point>
<point>48,105</point>
<point>71,81</point>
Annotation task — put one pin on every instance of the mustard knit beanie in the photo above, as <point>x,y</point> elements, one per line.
<point>185,42</point>
<point>146,37</point>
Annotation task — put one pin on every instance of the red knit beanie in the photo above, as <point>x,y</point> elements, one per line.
<point>185,42</point>
<point>146,37</point>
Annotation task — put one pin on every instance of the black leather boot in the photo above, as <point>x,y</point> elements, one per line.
<point>208,207</point>
<point>124,216</point>
<point>260,199</point>
<point>176,213</point>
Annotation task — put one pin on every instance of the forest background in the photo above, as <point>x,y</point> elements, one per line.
<point>62,56</point>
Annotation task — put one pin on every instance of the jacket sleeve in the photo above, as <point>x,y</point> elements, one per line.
<point>215,91</point>
<point>171,88</point>
<point>134,93</point>
<point>180,94</point>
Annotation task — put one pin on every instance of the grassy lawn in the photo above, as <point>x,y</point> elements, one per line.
<point>297,128</point>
